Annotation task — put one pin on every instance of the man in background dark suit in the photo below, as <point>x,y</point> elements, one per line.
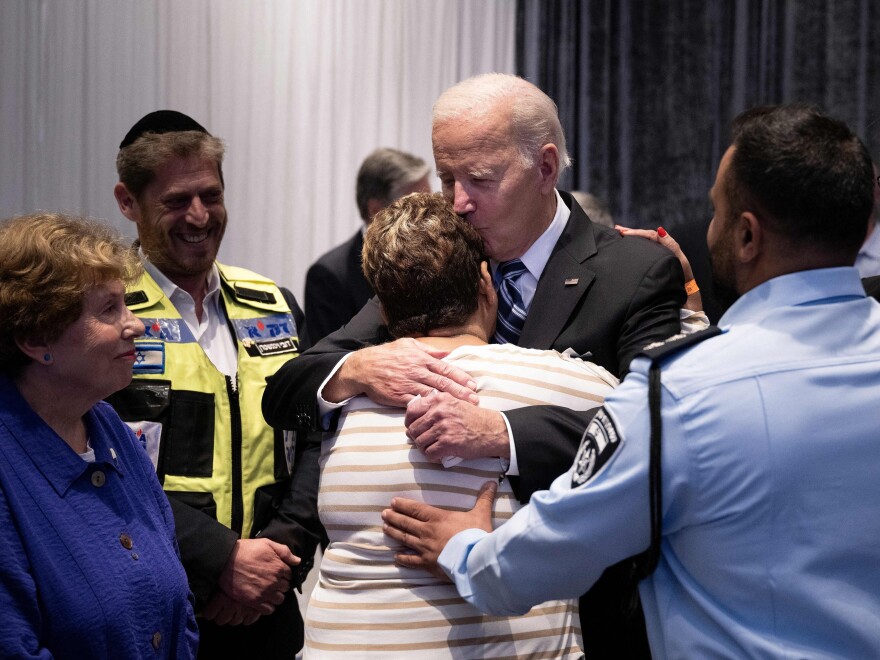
<point>499,149</point>
<point>335,285</point>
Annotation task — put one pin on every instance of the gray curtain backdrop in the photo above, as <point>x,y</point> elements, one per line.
<point>646,90</point>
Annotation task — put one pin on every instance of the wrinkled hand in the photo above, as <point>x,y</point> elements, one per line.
<point>441,425</point>
<point>391,374</point>
<point>661,236</point>
<point>258,573</point>
<point>426,529</point>
<point>224,611</point>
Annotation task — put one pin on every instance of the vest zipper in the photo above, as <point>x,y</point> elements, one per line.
<point>236,434</point>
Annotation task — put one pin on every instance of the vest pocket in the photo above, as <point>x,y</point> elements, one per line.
<point>189,439</point>
<point>145,406</point>
<point>186,420</point>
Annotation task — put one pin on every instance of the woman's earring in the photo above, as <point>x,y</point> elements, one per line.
<point>47,357</point>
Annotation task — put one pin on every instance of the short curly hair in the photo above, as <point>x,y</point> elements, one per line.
<point>48,263</point>
<point>423,262</point>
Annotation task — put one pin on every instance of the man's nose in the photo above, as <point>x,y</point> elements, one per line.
<point>461,200</point>
<point>197,213</point>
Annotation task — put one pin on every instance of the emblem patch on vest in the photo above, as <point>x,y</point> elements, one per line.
<point>598,445</point>
<point>149,434</point>
<point>174,331</point>
<point>267,335</point>
<point>149,357</point>
<point>269,346</point>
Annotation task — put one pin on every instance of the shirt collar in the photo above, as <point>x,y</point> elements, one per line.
<point>172,291</point>
<point>793,289</point>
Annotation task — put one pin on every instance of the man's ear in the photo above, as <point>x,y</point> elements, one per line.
<point>749,237</point>
<point>548,167</point>
<point>373,207</point>
<point>127,203</point>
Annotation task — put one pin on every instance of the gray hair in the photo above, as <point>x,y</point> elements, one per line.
<point>534,115</point>
<point>385,174</point>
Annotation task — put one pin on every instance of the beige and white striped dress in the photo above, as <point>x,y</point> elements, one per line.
<point>365,606</point>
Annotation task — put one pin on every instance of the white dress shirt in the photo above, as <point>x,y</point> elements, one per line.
<point>212,331</point>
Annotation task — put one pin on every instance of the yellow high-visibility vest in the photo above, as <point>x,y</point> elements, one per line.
<point>205,431</point>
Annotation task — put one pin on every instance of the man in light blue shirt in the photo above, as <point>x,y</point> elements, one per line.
<point>770,506</point>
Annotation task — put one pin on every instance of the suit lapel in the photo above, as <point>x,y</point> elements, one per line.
<point>564,282</point>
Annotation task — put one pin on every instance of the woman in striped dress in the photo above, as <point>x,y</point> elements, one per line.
<point>427,267</point>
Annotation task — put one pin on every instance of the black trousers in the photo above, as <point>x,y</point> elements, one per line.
<point>612,621</point>
<point>276,636</point>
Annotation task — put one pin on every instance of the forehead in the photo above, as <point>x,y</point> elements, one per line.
<point>184,173</point>
<point>98,296</point>
<point>105,289</point>
<point>473,142</point>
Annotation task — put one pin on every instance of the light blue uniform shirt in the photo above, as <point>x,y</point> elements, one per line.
<point>771,489</point>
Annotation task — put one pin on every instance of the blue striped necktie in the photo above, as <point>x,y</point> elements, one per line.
<point>511,309</point>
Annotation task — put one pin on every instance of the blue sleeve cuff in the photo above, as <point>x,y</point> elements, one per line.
<point>453,560</point>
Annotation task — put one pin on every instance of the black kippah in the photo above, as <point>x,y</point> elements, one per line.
<point>161,121</point>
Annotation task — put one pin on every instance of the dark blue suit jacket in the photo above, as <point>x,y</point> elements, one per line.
<point>336,289</point>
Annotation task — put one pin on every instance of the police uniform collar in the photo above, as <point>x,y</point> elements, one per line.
<point>800,288</point>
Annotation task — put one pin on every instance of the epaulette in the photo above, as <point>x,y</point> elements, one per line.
<point>135,298</point>
<point>662,349</point>
<point>243,293</point>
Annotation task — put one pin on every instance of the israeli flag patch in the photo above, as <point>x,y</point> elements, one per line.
<point>149,357</point>
<point>598,445</point>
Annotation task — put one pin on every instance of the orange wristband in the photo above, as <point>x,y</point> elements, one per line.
<point>691,287</point>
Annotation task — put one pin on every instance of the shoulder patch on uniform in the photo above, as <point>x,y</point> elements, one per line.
<point>135,298</point>
<point>660,349</point>
<point>598,445</point>
<point>244,293</point>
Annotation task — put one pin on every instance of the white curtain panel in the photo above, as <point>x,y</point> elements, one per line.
<point>300,90</point>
